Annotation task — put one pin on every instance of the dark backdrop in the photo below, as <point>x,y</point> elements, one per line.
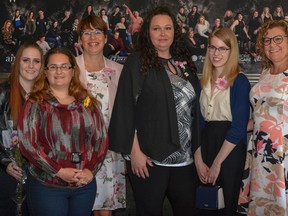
<point>54,9</point>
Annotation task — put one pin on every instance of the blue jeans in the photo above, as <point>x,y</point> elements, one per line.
<point>47,200</point>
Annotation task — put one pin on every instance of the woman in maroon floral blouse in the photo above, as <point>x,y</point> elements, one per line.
<point>63,136</point>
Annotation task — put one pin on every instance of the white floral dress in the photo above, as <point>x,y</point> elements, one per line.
<point>267,160</point>
<point>111,191</point>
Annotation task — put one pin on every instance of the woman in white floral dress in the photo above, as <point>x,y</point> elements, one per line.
<point>267,158</point>
<point>100,75</point>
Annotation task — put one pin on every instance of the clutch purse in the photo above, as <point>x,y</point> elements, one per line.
<point>209,197</point>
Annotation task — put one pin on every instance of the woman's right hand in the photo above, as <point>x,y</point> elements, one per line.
<point>139,160</point>
<point>84,177</point>
<point>68,174</point>
<point>14,170</point>
<point>138,164</point>
<point>201,168</point>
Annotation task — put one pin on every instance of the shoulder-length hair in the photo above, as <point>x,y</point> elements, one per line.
<point>42,91</point>
<point>281,11</point>
<point>199,19</point>
<point>228,13</point>
<point>9,29</point>
<point>149,55</point>
<point>15,87</point>
<point>266,63</point>
<point>253,13</point>
<point>232,67</point>
<point>266,11</point>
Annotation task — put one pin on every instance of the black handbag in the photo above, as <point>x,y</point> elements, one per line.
<point>209,197</point>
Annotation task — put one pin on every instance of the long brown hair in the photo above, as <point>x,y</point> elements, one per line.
<point>42,91</point>
<point>5,26</point>
<point>144,45</point>
<point>15,87</point>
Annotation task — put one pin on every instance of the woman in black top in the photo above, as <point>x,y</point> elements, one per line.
<point>240,30</point>
<point>53,34</point>
<point>155,121</point>
<point>254,26</point>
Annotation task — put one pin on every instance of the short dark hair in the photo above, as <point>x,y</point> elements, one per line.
<point>94,21</point>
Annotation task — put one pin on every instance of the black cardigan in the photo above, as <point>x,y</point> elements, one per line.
<point>4,107</point>
<point>5,88</point>
<point>147,104</point>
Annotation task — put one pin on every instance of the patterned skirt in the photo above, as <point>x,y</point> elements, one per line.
<point>111,183</point>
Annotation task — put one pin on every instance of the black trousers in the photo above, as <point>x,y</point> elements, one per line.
<point>178,184</point>
<point>7,189</point>
<point>230,176</point>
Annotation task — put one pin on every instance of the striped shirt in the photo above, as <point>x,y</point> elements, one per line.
<point>54,136</point>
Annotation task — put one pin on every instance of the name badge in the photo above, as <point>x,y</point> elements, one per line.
<point>76,157</point>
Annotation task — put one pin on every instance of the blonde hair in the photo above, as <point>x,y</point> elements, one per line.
<point>228,12</point>
<point>232,67</point>
<point>199,19</point>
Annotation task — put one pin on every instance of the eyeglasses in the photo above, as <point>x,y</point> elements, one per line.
<point>277,40</point>
<point>221,50</point>
<point>90,33</point>
<point>63,67</point>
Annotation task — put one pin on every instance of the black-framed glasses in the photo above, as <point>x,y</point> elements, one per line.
<point>63,67</point>
<point>278,39</point>
<point>221,50</point>
<point>90,33</point>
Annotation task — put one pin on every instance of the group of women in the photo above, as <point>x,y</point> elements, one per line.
<point>63,107</point>
<point>165,126</point>
<point>173,131</point>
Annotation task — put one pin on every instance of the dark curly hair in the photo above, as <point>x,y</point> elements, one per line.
<point>178,49</point>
